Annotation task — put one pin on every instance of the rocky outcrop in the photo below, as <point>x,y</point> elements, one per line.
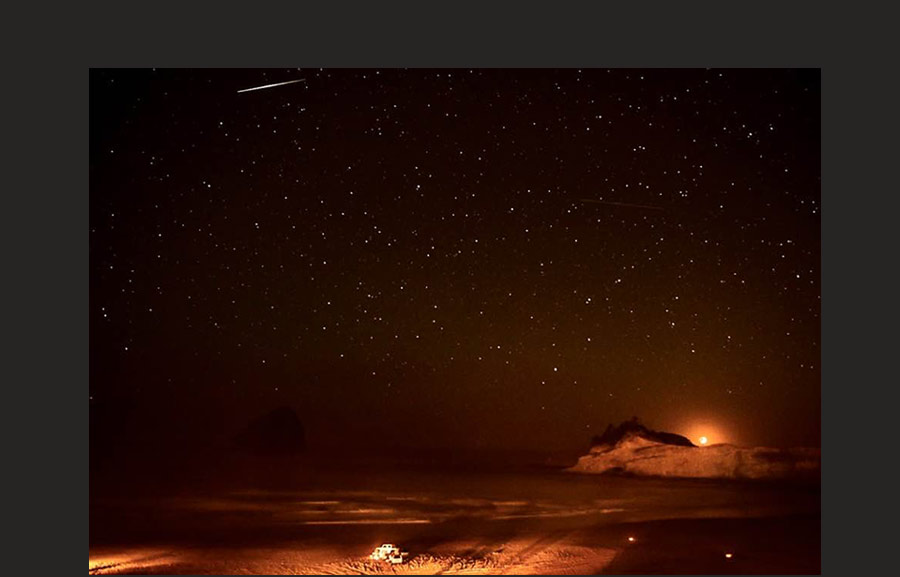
<point>631,449</point>
<point>278,432</point>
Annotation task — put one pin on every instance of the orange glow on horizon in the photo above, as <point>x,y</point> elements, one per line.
<point>705,432</point>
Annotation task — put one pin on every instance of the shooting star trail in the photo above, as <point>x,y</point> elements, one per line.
<point>628,204</point>
<point>271,85</point>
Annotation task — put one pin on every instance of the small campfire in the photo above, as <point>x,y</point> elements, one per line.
<point>389,553</point>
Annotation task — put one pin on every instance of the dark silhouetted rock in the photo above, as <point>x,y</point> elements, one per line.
<point>615,433</point>
<point>276,433</point>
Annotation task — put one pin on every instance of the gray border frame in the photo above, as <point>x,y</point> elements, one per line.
<point>50,119</point>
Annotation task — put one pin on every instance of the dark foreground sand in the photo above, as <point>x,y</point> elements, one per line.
<point>521,522</point>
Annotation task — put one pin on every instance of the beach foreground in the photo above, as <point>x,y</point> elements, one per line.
<point>520,522</point>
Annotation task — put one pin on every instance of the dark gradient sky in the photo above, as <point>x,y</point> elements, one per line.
<point>434,257</point>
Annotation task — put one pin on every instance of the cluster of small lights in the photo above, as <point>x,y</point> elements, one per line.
<point>728,554</point>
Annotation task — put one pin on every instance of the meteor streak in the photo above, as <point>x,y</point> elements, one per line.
<point>271,85</point>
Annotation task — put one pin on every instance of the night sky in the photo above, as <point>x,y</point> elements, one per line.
<point>456,258</point>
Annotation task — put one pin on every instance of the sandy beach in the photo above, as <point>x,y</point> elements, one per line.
<point>515,522</point>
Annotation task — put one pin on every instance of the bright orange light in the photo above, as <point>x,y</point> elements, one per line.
<point>704,431</point>
<point>631,539</point>
<point>139,560</point>
<point>728,555</point>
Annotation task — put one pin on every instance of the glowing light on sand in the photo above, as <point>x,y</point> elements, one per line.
<point>703,440</point>
<point>140,560</point>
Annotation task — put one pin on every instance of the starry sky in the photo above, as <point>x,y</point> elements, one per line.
<point>457,258</point>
